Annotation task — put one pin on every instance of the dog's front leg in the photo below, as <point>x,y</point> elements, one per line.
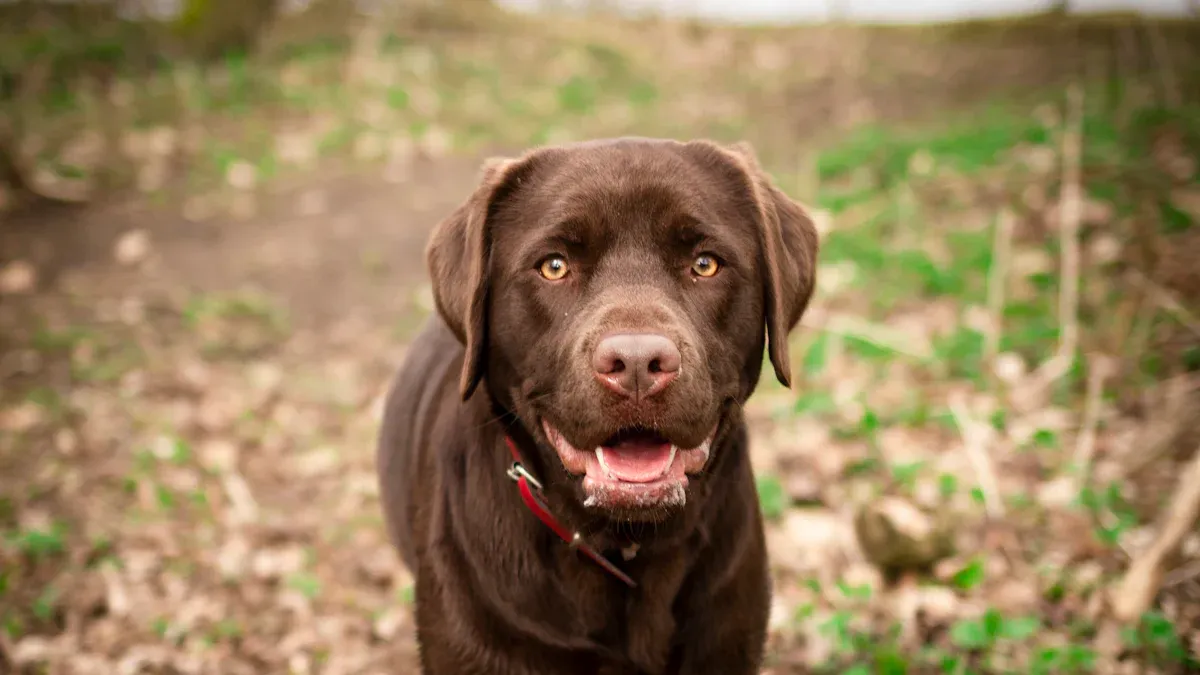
<point>726,647</point>
<point>726,632</point>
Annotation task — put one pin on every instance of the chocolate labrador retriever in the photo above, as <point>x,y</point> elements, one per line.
<point>563,459</point>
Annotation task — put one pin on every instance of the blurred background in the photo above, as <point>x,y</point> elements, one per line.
<point>213,216</point>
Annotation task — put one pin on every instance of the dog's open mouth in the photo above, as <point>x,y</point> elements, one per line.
<point>635,467</point>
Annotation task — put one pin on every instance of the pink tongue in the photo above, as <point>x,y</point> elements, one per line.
<point>634,462</point>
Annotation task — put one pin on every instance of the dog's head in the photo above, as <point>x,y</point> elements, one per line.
<point>616,297</point>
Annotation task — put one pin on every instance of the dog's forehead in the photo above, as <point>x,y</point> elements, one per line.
<point>626,184</point>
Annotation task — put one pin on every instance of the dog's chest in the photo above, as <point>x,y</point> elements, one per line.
<point>637,622</point>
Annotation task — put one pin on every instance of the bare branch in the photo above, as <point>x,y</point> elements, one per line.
<point>1070,218</point>
<point>1142,581</point>
<point>1102,368</point>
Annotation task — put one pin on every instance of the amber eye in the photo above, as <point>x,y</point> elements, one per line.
<point>553,268</point>
<point>705,266</point>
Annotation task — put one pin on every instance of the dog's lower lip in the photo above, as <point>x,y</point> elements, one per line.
<point>636,466</point>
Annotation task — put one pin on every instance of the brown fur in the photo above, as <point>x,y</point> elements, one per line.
<point>496,592</point>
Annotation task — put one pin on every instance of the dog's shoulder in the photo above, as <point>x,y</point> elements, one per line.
<point>422,396</point>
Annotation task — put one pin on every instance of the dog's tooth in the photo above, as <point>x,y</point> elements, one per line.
<point>589,502</point>
<point>670,461</point>
<point>603,464</point>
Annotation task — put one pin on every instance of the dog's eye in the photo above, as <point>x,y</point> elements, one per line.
<point>705,266</point>
<point>553,268</point>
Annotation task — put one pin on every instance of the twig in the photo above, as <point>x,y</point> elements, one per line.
<point>1166,300</point>
<point>1142,581</point>
<point>1085,445</point>
<point>975,445</point>
<point>1070,217</point>
<point>997,279</point>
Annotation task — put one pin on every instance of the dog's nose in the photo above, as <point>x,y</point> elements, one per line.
<point>636,364</point>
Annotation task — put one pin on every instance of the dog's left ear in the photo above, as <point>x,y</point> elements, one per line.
<point>458,257</point>
<point>789,245</point>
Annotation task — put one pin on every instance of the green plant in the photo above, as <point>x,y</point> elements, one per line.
<point>1112,514</point>
<point>39,543</point>
<point>980,636</point>
<point>1157,643</point>
<point>772,497</point>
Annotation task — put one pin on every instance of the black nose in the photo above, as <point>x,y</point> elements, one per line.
<point>636,364</point>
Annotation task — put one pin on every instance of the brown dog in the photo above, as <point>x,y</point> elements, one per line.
<point>602,313</point>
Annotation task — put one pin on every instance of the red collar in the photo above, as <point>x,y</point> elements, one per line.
<point>528,485</point>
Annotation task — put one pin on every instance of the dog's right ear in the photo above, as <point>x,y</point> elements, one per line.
<point>458,257</point>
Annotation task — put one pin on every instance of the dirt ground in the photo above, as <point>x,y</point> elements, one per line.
<point>191,388</point>
<point>266,431</point>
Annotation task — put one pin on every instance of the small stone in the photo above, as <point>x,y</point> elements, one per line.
<point>896,534</point>
<point>132,247</point>
<point>18,277</point>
